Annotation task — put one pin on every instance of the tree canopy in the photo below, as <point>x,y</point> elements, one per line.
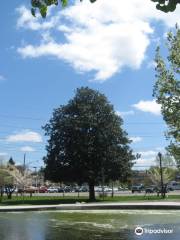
<point>11,161</point>
<point>42,5</point>
<point>86,142</point>
<point>6,181</point>
<point>167,89</point>
<point>166,5</point>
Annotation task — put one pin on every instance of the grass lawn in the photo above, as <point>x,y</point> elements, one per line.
<point>38,200</point>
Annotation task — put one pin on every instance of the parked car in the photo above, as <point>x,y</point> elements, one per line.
<point>60,189</point>
<point>98,189</point>
<point>157,189</point>
<point>76,189</point>
<point>43,189</point>
<point>101,189</point>
<point>151,189</point>
<point>107,189</point>
<point>173,186</point>
<point>137,188</point>
<point>67,189</point>
<point>122,188</point>
<point>115,189</point>
<point>52,190</point>
<point>83,189</point>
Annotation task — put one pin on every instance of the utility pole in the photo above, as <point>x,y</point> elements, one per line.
<point>102,173</point>
<point>24,164</point>
<point>24,168</point>
<point>161,174</point>
<point>35,176</point>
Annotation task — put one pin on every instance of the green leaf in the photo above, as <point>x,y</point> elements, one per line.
<point>64,3</point>
<point>33,12</point>
<point>35,3</point>
<point>43,11</point>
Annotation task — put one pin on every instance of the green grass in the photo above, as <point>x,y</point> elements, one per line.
<point>40,200</point>
<point>43,200</point>
<point>140,198</point>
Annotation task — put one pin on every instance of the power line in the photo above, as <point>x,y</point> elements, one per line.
<point>143,136</point>
<point>19,150</point>
<point>23,145</point>
<point>45,119</point>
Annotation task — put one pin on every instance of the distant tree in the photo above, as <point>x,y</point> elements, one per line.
<point>6,182</point>
<point>169,171</point>
<point>11,161</point>
<point>168,175</point>
<point>86,142</point>
<point>166,5</point>
<point>11,177</point>
<point>42,5</point>
<point>167,90</point>
<point>167,160</point>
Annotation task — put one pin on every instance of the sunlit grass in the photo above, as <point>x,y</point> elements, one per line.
<point>38,200</point>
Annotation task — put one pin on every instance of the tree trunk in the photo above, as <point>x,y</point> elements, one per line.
<point>112,192</point>
<point>9,195</point>
<point>91,192</point>
<point>2,191</point>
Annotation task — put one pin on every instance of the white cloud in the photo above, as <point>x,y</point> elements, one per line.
<point>161,149</point>
<point>25,136</point>
<point>26,20</point>
<point>123,114</point>
<point>136,139</point>
<point>2,154</point>
<point>27,149</point>
<point>102,37</point>
<point>147,154</point>
<point>144,163</point>
<point>148,106</point>
<point>147,159</point>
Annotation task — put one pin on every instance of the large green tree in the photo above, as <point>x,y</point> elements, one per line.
<point>167,89</point>
<point>42,5</point>
<point>86,142</point>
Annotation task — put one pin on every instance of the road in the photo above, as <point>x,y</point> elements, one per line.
<point>119,193</point>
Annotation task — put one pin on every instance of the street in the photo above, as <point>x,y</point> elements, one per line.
<point>119,193</point>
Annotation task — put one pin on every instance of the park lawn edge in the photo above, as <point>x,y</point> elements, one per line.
<point>49,200</point>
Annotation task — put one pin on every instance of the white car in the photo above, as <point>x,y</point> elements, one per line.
<point>52,190</point>
<point>173,185</point>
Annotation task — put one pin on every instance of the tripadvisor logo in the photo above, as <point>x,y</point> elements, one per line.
<point>139,231</point>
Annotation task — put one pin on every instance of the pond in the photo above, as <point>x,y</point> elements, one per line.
<point>90,225</point>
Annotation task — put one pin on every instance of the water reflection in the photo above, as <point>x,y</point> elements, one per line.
<point>88,225</point>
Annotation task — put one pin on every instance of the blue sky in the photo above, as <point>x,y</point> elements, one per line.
<point>103,46</point>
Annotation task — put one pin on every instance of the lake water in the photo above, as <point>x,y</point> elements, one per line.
<point>90,225</point>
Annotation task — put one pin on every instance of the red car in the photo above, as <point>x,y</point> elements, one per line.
<point>43,190</point>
